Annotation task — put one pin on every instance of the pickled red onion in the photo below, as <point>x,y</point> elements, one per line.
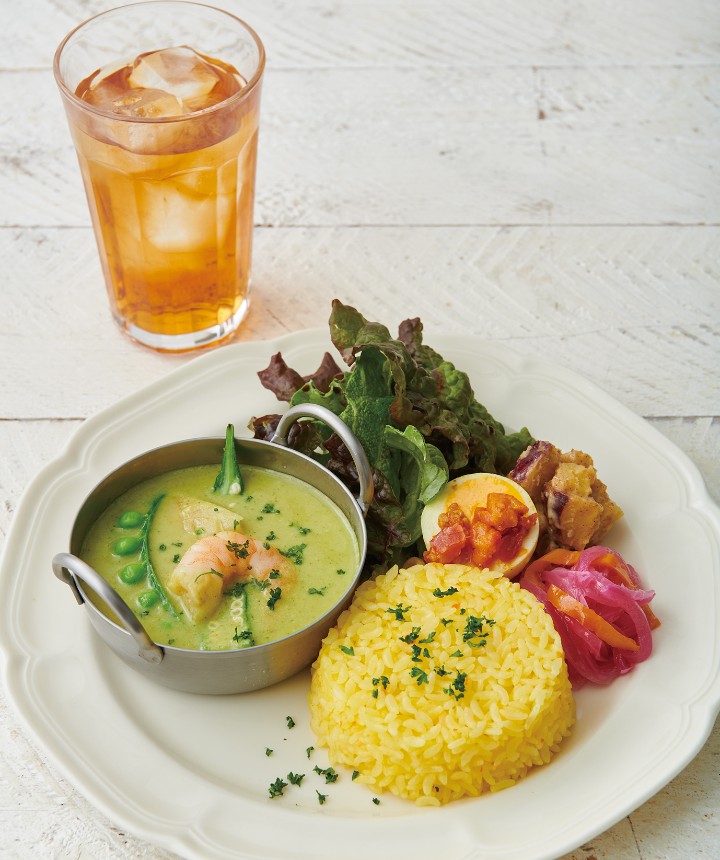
<point>599,579</point>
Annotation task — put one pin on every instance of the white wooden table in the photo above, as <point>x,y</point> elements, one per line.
<point>545,174</point>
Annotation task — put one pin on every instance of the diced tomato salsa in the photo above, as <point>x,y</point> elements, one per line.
<point>493,532</point>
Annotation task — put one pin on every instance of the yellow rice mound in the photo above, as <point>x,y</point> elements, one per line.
<point>449,717</point>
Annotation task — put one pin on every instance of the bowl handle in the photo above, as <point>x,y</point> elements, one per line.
<point>67,568</point>
<point>350,440</point>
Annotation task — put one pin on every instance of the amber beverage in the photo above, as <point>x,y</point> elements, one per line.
<point>163,100</point>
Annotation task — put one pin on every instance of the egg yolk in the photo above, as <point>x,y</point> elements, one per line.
<point>493,533</point>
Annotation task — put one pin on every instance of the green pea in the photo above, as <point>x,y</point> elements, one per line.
<point>148,599</point>
<point>130,520</point>
<point>133,573</point>
<point>127,545</point>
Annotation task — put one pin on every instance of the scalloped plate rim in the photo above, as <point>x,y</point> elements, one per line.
<point>701,710</point>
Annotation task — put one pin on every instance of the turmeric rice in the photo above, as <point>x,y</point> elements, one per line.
<point>439,682</point>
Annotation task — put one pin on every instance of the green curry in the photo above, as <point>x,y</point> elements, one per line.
<point>140,542</point>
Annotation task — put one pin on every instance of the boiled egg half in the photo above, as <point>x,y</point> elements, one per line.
<point>470,492</point>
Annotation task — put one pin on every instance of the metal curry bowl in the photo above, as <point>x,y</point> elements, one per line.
<point>216,672</point>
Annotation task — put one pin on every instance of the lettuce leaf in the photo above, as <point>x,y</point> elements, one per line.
<point>421,472</point>
<point>414,413</point>
<point>369,395</point>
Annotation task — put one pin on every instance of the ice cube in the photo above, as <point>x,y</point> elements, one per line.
<point>109,91</point>
<point>148,104</point>
<point>101,76</point>
<point>180,72</point>
<point>183,214</point>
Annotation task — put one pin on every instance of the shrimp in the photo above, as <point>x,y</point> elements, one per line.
<point>216,562</point>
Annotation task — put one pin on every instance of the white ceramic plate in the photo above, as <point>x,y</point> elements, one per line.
<point>190,773</point>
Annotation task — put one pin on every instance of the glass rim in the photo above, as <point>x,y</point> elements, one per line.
<point>237,97</point>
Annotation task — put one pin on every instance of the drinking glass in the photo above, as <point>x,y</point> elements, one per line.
<point>163,99</point>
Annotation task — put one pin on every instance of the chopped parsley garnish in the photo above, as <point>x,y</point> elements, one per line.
<point>276,788</point>
<point>399,612</point>
<point>270,508</point>
<point>275,595</point>
<point>355,774</point>
<point>348,649</point>
<point>268,751</point>
<point>176,558</point>
<point>290,722</point>
<point>428,638</point>
<point>329,773</point>
<point>308,751</point>
<point>236,590</point>
<point>321,797</point>
<point>340,572</point>
<point>446,621</point>
<point>271,536</point>
<point>376,801</point>
<point>439,593</point>
<point>411,636</point>
<point>457,653</point>
<point>415,653</point>
<point>417,672</point>
<point>295,778</point>
<point>383,681</point>
<point>274,574</point>
<point>302,529</point>
<point>319,591</point>
<point>295,553</point>
<point>474,634</point>
<point>457,687</point>
<point>162,547</point>
<point>243,636</point>
<point>239,550</point>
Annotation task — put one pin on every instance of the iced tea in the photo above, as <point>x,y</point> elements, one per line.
<point>167,146</point>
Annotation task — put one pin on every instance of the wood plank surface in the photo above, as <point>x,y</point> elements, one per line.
<point>503,146</point>
<point>636,310</point>
<point>412,33</point>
